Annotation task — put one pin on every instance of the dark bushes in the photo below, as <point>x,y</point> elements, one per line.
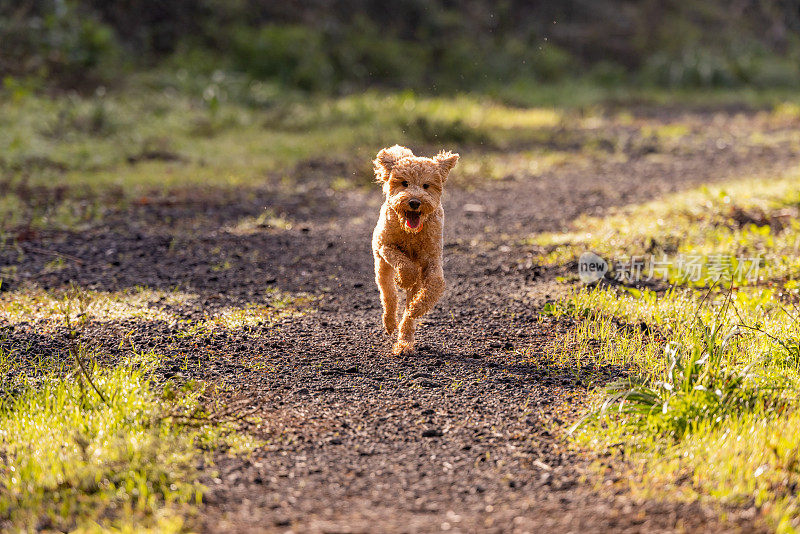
<point>436,45</point>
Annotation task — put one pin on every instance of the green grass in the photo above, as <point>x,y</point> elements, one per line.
<point>630,327</point>
<point>701,385</point>
<point>722,228</point>
<point>585,94</point>
<point>71,460</point>
<point>144,304</point>
<point>707,406</point>
<point>750,459</point>
<point>708,409</point>
<point>68,160</point>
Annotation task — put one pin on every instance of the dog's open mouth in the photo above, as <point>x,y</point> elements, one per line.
<point>413,219</point>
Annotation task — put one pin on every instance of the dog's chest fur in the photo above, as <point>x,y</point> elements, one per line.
<point>418,246</point>
<point>415,244</point>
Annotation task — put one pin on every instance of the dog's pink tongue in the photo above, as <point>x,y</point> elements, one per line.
<point>412,219</point>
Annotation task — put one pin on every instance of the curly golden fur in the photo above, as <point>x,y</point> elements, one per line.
<point>407,242</point>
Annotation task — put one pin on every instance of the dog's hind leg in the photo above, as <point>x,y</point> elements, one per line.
<point>384,277</point>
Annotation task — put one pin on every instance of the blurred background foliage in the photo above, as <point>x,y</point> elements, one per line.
<point>342,46</point>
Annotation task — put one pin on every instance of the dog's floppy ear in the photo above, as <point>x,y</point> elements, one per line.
<point>387,158</point>
<point>446,160</point>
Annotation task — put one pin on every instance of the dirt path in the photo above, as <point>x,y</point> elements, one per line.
<point>466,436</point>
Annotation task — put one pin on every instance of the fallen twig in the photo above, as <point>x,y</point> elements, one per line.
<point>37,250</point>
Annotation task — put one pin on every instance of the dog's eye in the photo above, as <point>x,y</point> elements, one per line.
<point>404,183</point>
<point>426,186</point>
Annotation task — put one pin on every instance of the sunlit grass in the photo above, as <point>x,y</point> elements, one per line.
<point>710,392</point>
<point>49,310</point>
<point>735,222</point>
<point>71,460</point>
<point>630,327</point>
<point>68,160</point>
<point>251,225</point>
<point>102,132</point>
<point>34,304</point>
<point>476,172</point>
<point>751,459</point>
<point>738,458</point>
<point>706,407</point>
<point>254,314</point>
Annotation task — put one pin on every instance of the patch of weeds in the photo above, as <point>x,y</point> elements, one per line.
<point>666,131</point>
<point>750,459</point>
<point>265,221</point>
<point>630,327</point>
<point>629,304</point>
<point>69,214</point>
<point>37,305</point>
<point>433,130</point>
<point>701,385</point>
<point>91,117</point>
<point>102,448</point>
<point>33,205</point>
<point>55,265</point>
<point>222,266</point>
<point>712,414</point>
<point>620,327</point>
<point>604,340</point>
<point>154,148</point>
<point>341,183</point>
<point>214,122</point>
<point>283,301</point>
<point>475,172</point>
<point>279,306</point>
<point>72,459</point>
<point>47,309</point>
<point>7,271</point>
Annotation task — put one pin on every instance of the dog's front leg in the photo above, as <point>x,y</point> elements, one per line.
<point>419,301</point>
<point>384,277</point>
<point>430,289</point>
<point>408,272</point>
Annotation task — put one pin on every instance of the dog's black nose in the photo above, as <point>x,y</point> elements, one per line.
<point>414,204</point>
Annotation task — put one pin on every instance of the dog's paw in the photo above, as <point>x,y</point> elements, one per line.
<point>403,348</point>
<point>407,275</point>
<point>389,323</point>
